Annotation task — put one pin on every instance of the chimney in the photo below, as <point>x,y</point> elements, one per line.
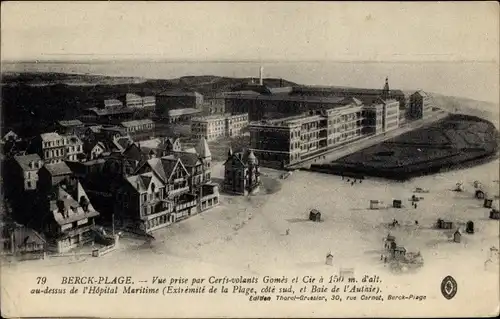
<point>261,75</point>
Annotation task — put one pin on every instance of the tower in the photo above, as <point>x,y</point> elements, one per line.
<point>261,76</point>
<point>204,153</point>
<point>386,93</point>
<point>253,172</point>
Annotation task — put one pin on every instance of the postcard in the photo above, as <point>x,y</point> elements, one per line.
<point>250,159</point>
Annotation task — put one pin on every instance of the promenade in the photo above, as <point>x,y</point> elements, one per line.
<point>347,149</point>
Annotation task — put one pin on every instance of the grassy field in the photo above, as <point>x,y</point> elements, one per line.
<point>444,144</point>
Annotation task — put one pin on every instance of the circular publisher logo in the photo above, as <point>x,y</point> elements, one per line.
<point>449,287</point>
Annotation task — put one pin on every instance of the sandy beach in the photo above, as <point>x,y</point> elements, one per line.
<point>246,236</point>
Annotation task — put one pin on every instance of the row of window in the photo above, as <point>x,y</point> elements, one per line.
<point>59,142</point>
<point>160,220</point>
<point>139,128</point>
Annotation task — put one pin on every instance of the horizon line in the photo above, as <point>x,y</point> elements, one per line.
<point>179,60</point>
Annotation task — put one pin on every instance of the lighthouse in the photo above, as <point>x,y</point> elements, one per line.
<point>261,76</point>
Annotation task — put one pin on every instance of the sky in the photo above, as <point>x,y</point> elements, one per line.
<point>257,31</point>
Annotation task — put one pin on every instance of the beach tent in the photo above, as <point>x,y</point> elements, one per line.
<point>315,215</point>
<point>329,259</point>
<point>396,203</point>
<point>488,202</point>
<point>470,227</point>
<point>375,204</point>
<point>495,214</point>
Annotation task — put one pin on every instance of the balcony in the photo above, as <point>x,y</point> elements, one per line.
<point>76,231</point>
<point>178,191</point>
<point>186,205</point>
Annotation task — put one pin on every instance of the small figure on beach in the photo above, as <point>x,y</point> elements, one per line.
<point>342,177</point>
<point>360,181</point>
<point>415,206</point>
<point>352,183</point>
<point>348,179</point>
<point>395,223</point>
<point>287,231</point>
<point>416,222</point>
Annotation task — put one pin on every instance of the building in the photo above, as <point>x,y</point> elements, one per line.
<point>21,239</point>
<point>214,104</point>
<point>10,136</point>
<point>111,111</point>
<point>261,106</point>
<point>25,174</point>
<point>373,122</point>
<point>132,101</point>
<point>113,138</point>
<point>139,129</point>
<point>157,196</point>
<point>65,214</point>
<point>286,141</point>
<point>390,117</point>
<point>149,102</point>
<point>51,147</point>
<point>74,148</point>
<point>136,101</point>
<point>103,116</point>
<point>181,115</point>
<point>69,127</point>
<point>93,149</point>
<point>420,106</point>
<point>241,173</point>
<point>71,219</point>
<point>212,127</point>
<point>173,100</point>
<point>262,102</point>
<point>167,189</point>
<point>51,175</point>
<point>168,146</point>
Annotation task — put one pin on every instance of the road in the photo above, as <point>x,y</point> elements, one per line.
<point>355,146</point>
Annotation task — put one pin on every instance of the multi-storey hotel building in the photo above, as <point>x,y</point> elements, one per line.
<point>286,141</point>
<point>212,127</point>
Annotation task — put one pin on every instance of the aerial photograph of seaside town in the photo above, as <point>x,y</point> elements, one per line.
<point>133,164</point>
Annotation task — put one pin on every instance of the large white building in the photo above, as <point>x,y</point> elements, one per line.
<point>290,140</point>
<point>212,127</point>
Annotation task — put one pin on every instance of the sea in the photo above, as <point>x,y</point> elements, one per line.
<point>473,80</point>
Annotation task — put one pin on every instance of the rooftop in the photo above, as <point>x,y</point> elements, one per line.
<point>136,123</point>
<point>73,139</point>
<point>72,208</point>
<point>342,90</point>
<point>24,235</point>
<point>211,117</point>
<point>58,169</point>
<point>112,102</point>
<point>49,137</point>
<point>186,111</point>
<point>25,160</point>
<point>70,123</point>
<point>103,112</point>
<point>132,96</point>
<point>180,93</point>
<point>288,121</point>
<point>289,98</point>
